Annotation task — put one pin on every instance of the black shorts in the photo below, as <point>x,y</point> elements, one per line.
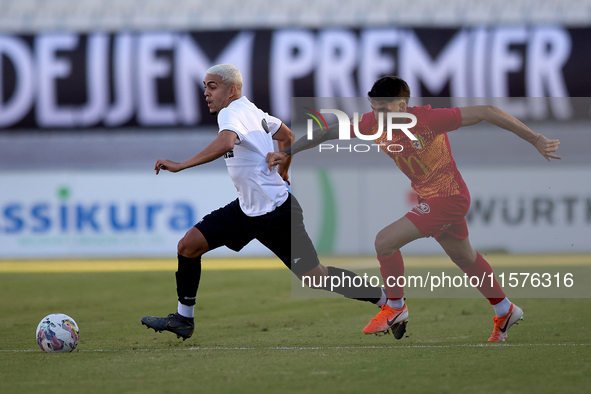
<point>282,231</point>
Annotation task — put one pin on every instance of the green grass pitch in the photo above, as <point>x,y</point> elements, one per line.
<point>252,337</point>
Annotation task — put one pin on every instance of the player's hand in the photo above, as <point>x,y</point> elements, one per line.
<point>275,158</point>
<point>167,165</point>
<point>547,147</point>
<point>285,176</point>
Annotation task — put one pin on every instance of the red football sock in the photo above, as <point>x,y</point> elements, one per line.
<point>391,268</point>
<point>491,290</point>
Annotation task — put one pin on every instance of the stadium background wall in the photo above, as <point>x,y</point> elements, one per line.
<point>83,116</point>
<point>101,214</point>
<point>65,80</point>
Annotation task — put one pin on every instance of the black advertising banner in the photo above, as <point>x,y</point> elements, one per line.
<point>154,79</point>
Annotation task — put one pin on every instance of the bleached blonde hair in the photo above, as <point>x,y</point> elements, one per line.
<point>229,73</point>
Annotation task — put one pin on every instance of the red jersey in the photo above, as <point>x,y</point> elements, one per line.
<point>428,161</point>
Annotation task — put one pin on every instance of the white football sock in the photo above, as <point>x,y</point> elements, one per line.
<point>396,304</point>
<point>383,299</point>
<point>502,308</point>
<point>185,310</point>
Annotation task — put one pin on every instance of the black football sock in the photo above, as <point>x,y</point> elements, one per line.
<point>187,279</point>
<point>351,285</point>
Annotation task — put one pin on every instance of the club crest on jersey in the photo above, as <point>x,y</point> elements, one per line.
<point>421,209</point>
<point>420,142</point>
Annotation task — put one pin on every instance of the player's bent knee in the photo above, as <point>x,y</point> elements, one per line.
<point>384,244</point>
<point>185,249</point>
<point>193,244</point>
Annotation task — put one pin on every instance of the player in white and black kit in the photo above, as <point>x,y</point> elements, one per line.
<point>264,209</point>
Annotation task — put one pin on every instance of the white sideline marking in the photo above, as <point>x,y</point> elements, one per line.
<point>319,347</point>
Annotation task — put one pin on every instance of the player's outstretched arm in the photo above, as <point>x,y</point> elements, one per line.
<point>477,113</point>
<point>223,143</point>
<point>318,136</point>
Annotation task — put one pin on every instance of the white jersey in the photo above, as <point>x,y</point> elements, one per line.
<point>259,190</point>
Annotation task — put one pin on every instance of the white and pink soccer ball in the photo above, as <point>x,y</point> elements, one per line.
<point>57,333</point>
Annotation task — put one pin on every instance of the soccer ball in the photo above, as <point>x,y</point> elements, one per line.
<point>57,333</point>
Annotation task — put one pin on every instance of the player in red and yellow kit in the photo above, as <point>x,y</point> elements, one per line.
<point>444,199</point>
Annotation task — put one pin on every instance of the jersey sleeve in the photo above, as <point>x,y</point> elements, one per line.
<point>442,120</point>
<point>273,123</point>
<point>364,124</point>
<point>225,123</point>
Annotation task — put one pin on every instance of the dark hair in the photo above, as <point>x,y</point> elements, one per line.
<point>389,88</point>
